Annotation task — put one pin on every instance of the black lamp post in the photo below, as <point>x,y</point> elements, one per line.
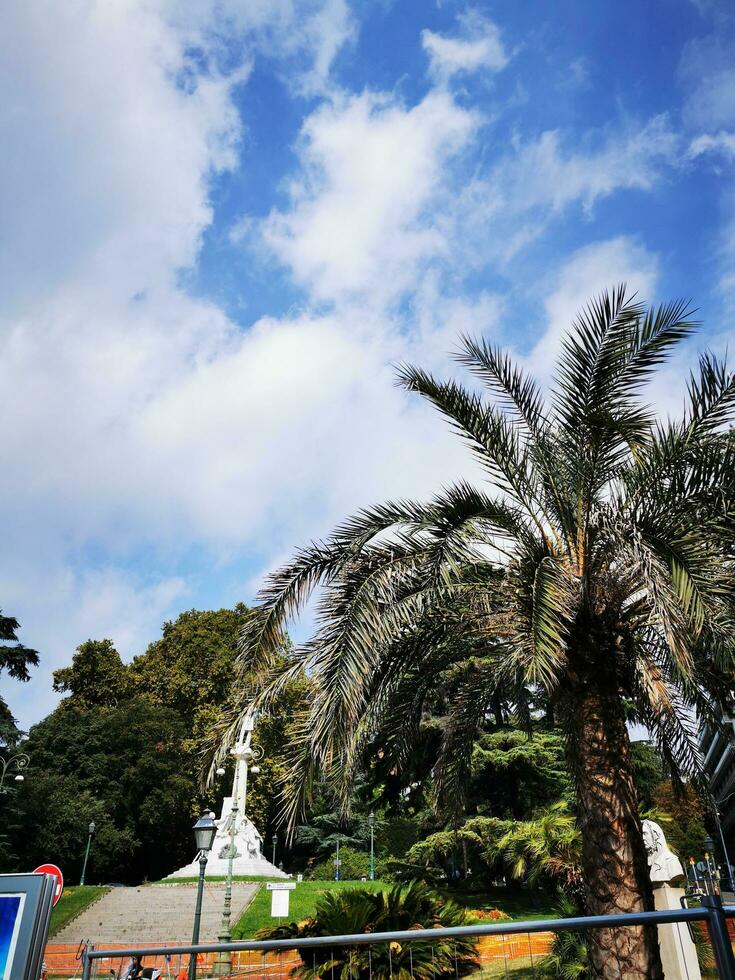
<point>205,830</point>
<point>274,841</point>
<point>92,829</point>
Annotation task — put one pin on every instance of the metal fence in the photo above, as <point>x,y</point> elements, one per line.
<point>274,959</point>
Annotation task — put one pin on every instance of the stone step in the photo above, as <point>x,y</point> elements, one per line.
<point>155,914</point>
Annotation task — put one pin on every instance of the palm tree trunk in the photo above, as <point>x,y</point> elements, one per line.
<point>614,861</point>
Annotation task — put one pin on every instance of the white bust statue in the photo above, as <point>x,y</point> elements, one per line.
<point>664,864</point>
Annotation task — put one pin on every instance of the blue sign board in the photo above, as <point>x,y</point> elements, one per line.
<point>25,910</point>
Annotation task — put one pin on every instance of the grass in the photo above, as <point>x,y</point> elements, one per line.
<point>302,903</point>
<point>518,969</point>
<point>73,900</point>
<point>518,905</point>
<point>303,899</point>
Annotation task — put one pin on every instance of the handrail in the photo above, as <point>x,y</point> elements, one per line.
<point>661,916</point>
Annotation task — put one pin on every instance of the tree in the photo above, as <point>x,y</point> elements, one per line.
<point>122,767</point>
<point>16,658</point>
<point>514,774</point>
<point>596,564</point>
<point>192,668</point>
<point>97,676</point>
<point>544,850</point>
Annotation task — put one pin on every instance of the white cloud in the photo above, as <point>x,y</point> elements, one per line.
<point>708,78</point>
<point>477,45</point>
<point>499,212</point>
<point>115,117</point>
<point>722,143</point>
<point>707,72</point>
<point>75,606</point>
<point>544,173</point>
<point>139,419</point>
<point>369,170</point>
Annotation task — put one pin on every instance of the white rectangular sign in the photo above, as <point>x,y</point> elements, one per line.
<point>279,903</point>
<point>280,886</point>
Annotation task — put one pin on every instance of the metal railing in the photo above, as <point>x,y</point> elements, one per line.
<point>711,912</point>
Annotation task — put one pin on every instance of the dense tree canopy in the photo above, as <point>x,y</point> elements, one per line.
<point>96,677</point>
<point>126,749</point>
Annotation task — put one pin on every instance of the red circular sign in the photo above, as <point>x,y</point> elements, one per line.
<point>51,869</point>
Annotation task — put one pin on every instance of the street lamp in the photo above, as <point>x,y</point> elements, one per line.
<point>371,821</point>
<point>726,856</point>
<point>274,841</point>
<point>205,830</point>
<point>91,830</point>
<point>18,761</point>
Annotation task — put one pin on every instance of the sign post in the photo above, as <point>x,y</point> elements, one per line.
<point>279,897</point>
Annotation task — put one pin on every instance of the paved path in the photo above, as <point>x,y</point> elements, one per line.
<point>151,914</point>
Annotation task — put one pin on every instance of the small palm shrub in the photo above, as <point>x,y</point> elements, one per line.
<point>568,958</point>
<point>357,910</point>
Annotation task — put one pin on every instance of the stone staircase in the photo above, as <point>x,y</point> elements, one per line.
<point>155,914</point>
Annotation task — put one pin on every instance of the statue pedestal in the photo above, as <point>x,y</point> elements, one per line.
<point>248,859</point>
<point>678,955</point>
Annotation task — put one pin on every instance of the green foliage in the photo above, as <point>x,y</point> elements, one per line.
<point>594,564</point>
<point>444,848</point>
<point>16,659</point>
<point>354,865</point>
<point>191,668</point>
<point>97,676</point>
<point>361,910</point>
<point>546,850</point>
<point>395,835</point>
<point>685,829</point>
<point>124,749</point>
<point>122,767</point>
<point>569,956</point>
<point>514,773</point>
<point>648,772</point>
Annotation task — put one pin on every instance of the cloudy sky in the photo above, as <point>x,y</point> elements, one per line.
<point>223,221</point>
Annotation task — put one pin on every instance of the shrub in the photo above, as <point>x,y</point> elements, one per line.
<point>354,865</point>
<point>489,915</point>
<point>357,910</point>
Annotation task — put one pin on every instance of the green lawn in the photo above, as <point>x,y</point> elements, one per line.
<point>302,903</point>
<point>518,905</point>
<point>72,901</point>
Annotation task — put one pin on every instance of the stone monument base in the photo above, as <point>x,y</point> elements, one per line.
<point>678,955</point>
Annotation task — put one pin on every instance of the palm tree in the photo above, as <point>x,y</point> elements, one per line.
<point>595,564</point>
<point>358,910</point>
<point>545,849</point>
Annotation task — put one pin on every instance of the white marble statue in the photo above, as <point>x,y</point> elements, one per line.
<point>664,864</point>
<point>248,857</point>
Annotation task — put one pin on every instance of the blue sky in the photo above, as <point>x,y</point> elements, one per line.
<point>225,222</point>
